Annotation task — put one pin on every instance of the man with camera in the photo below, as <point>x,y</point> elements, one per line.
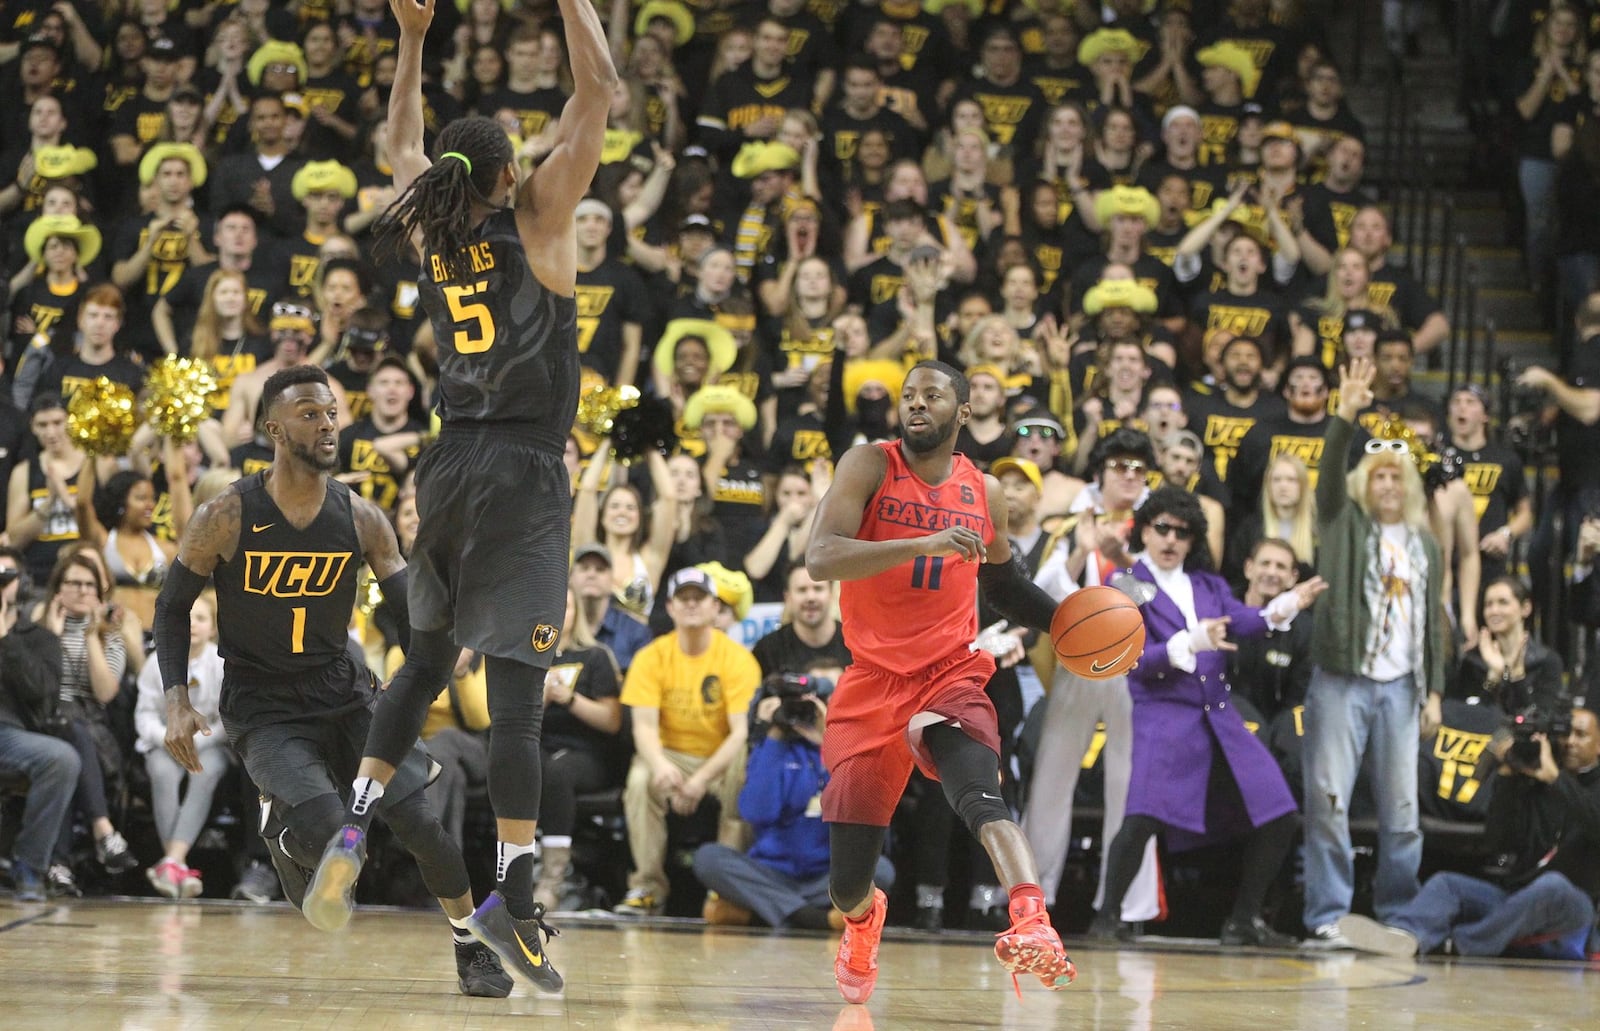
<point>30,671</point>
<point>783,878</point>
<point>1575,412</point>
<point>1544,824</point>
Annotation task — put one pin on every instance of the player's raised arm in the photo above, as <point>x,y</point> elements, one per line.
<point>835,553</point>
<point>381,549</point>
<point>212,536</point>
<point>406,156</point>
<point>1005,582</point>
<point>553,190</point>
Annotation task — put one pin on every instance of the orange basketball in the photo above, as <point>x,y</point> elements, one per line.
<point>1098,633</point>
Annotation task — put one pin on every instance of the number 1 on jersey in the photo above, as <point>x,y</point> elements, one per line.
<point>925,572</point>
<point>297,632</point>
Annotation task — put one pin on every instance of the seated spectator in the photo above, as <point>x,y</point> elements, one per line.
<point>688,692</point>
<point>93,656</point>
<point>581,748</point>
<point>1507,666</point>
<point>614,626</point>
<point>783,878</point>
<point>42,496</point>
<point>1544,821</point>
<point>1272,671</point>
<point>30,744</point>
<point>179,822</point>
<point>810,633</point>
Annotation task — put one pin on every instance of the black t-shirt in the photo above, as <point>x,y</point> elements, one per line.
<point>596,670</point>
<point>356,454</point>
<point>1219,128</point>
<point>875,287</point>
<point>251,458</point>
<point>1221,426</point>
<point>534,110</point>
<point>1012,114</point>
<point>1495,476</point>
<point>1206,182</point>
<point>1533,140</point>
<point>1274,670</point>
<point>266,280</point>
<point>841,134</point>
<point>235,358</point>
<point>55,314</point>
<point>1578,445</point>
<point>799,440</point>
<point>782,651</point>
<point>1077,241</point>
<point>982,455</point>
<point>738,501</point>
<point>1268,439</point>
<point>1394,288</point>
<point>338,93</point>
<point>169,260</point>
<point>66,376</point>
<point>1329,214</point>
<point>610,296</point>
<point>1260,315</point>
<point>1057,83</point>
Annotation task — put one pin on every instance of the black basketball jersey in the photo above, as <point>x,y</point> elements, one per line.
<point>508,347</point>
<point>284,599</point>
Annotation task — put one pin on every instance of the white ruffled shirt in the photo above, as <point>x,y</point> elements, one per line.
<point>1179,588</point>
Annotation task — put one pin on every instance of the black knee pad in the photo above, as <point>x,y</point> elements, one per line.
<point>969,773</point>
<point>977,805</point>
<point>417,828</point>
<point>401,710</point>
<point>312,824</point>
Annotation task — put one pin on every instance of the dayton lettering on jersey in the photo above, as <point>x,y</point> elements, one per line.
<point>294,574</point>
<point>926,517</point>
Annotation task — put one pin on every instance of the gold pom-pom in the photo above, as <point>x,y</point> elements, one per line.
<point>599,404</point>
<point>178,396</point>
<point>102,416</point>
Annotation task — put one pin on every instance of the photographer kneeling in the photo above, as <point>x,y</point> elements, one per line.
<point>783,878</point>
<point>1544,821</point>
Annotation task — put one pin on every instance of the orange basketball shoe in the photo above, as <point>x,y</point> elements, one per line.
<point>855,968</point>
<point>1032,946</point>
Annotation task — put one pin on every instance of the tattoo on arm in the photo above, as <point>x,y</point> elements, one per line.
<point>378,541</point>
<point>212,535</point>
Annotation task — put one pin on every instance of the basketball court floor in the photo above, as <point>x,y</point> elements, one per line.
<point>163,965</point>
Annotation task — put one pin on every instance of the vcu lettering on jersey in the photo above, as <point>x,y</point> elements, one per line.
<point>380,487</point>
<point>303,273</point>
<point>1459,753</point>
<point>1003,114</point>
<point>1222,436</point>
<point>1240,321</point>
<point>592,303</point>
<point>1482,478</point>
<point>169,258</point>
<point>294,574</point>
<point>1307,449</point>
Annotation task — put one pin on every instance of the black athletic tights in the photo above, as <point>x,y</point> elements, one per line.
<point>970,775</point>
<point>516,714</point>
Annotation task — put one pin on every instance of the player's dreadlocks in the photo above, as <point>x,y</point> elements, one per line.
<point>439,201</point>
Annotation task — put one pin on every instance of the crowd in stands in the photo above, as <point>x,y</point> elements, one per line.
<point>1142,229</point>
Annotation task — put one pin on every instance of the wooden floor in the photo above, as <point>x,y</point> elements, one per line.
<point>163,965</point>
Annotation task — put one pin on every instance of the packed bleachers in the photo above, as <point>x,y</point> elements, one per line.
<point>1148,232</point>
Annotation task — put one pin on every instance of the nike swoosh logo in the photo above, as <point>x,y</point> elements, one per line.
<point>536,958</point>
<point>985,794</point>
<point>1101,667</point>
<point>257,529</point>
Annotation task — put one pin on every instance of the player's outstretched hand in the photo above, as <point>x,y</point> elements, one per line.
<point>957,540</point>
<point>414,16</point>
<point>183,723</point>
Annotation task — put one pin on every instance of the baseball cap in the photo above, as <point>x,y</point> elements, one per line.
<point>696,221</point>
<point>1038,423</point>
<point>162,48</point>
<point>691,576</point>
<point>357,339</point>
<point>1362,318</point>
<point>1021,465</point>
<point>591,550</point>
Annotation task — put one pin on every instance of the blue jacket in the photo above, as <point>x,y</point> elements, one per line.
<point>782,801</point>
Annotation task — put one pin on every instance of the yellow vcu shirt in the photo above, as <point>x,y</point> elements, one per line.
<point>695,693</point>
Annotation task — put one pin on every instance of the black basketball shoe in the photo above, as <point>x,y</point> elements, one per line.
<point>516,942</point>
<point>328,900</point>
<point>480,971</point>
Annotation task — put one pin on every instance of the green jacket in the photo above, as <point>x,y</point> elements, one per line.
<point>1339,634</point>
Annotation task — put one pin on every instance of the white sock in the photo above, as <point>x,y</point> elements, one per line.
<point>558,841</point>
<point>364,794</point>
<point>462,935</point>
<point>505,852</point>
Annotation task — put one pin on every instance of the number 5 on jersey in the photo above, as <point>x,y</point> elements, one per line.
<point>464,310</point>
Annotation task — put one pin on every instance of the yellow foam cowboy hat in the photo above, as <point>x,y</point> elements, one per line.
<point>719,397</point>
<point>1230,55</point>
<point>733,587</point>
<point>763,156</point>
<point>1106,41</point>
<point>1127,200</point>
<point>974,7</point>
<point>505,5</point>
<point>64,161</point>
<point>317,176</point>
<point>859,373</point>
<point>678,14</point>
<point>185,152</point>
<point>86,237</point>
<point>724,349</point>
<point>276,51</point>
<point>1119,293</point>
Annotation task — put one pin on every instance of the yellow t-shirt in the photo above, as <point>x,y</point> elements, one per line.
<point>695,694</point>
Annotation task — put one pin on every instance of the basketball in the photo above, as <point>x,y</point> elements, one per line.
<point>1098,633</point>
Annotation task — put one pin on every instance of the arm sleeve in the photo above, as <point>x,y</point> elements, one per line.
<point>1006,586</point>
<point>394,592</point>
<point>177,597</point>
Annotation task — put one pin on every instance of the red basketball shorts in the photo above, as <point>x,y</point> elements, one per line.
<point>868,746</point>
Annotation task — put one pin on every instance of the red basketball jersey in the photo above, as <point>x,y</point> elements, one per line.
<point>909,617</point>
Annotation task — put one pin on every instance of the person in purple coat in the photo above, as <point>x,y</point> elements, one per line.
<point>1198,772</point>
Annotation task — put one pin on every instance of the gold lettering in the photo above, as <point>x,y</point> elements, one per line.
<point>294,574</point>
